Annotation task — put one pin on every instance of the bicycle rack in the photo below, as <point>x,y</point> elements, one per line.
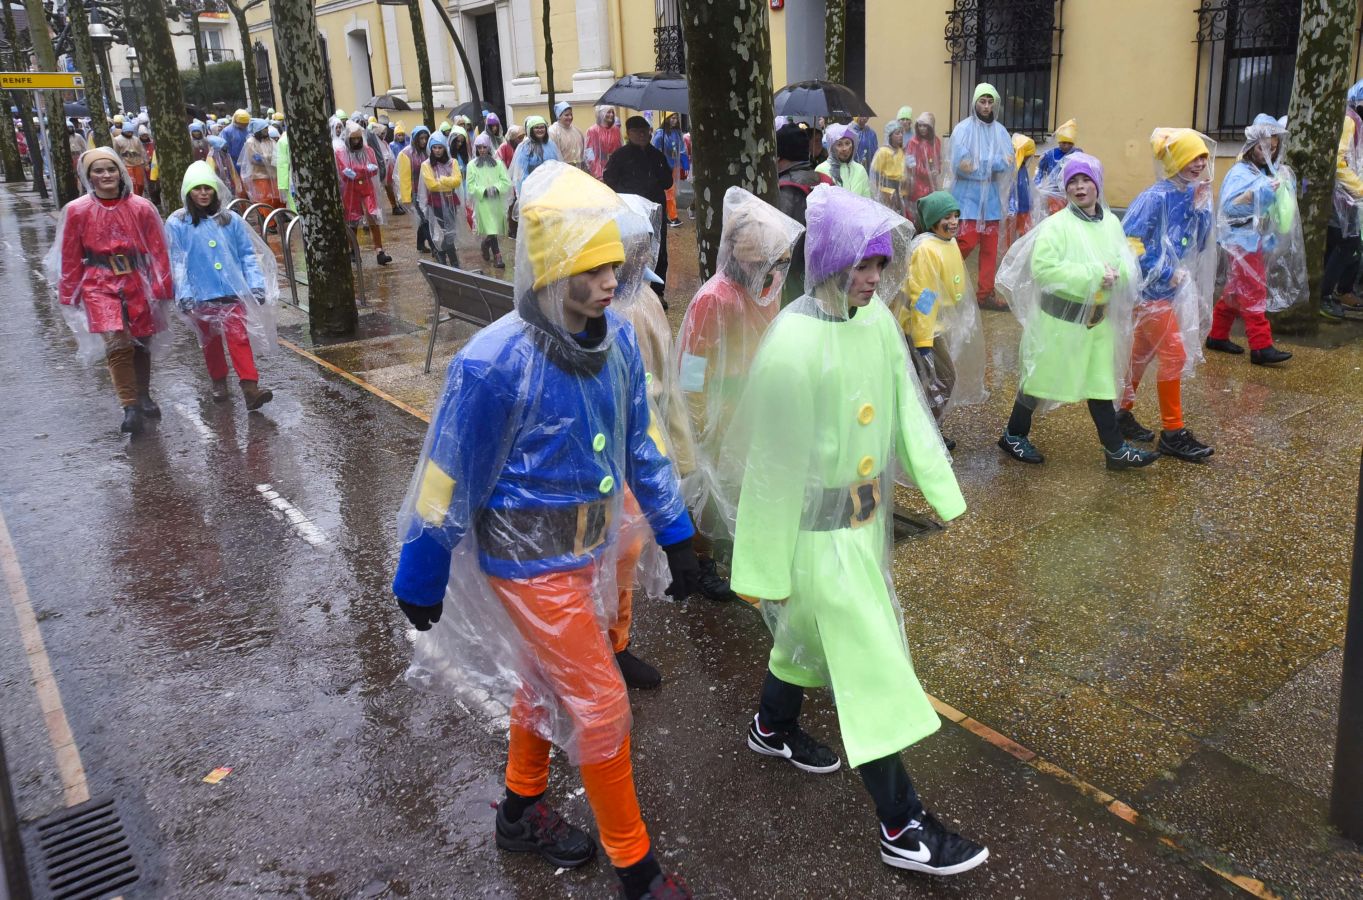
<point>286,248</point>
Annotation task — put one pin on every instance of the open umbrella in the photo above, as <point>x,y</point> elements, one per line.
<point>76,110</point>
<point>469,110</point>
<point>388,101</point>
<point>820,98</point>
<point>649,90</point>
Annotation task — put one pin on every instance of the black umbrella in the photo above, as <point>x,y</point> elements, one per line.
<point>76,110</point>
<point>469,110</point>
<point>820,98</point>
<point>649,90</point>
<point>388,101</point>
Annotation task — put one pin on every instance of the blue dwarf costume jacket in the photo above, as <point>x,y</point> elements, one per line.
<point>1168,227</point>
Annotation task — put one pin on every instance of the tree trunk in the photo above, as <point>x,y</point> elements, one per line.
<point>165,96</point>
<point>549,60</point>
<point>9,146</point>
<point>63,172</point>
<point>1315,116</point>
<point>326,245</point>
<point>20,64</point>
<point>248,58</point>
<point>197,31</point>
<point>423,64</point>
<point>87,59</point>
<point>835,40</point>
<point>102,61</point>
<point>732,124</point>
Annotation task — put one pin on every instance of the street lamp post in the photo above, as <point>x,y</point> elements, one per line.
<point>131,56</point>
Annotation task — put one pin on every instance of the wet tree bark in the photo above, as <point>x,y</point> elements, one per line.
<point>150,32</point>
<point>1315,117</point>
<point>88,61</point>
<point>835,40</point>
<point>9,147</point>
<point>19,63</point>
<point>326,244</point>
<point>733,134</point>
<point>549,60</point>
<point>60,148</point>
<point>423,64</point>
<point>248,56</point>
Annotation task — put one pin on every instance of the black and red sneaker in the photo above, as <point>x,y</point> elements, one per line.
<point>542,830</point>
<point>668,887</point>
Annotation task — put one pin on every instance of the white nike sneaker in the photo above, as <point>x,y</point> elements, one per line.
<point>925,845</point>
<point>802,751</point>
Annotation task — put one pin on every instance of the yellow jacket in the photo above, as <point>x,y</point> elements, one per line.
<point>442,185</point>
<point>404,164</point>
<point>1345,176</point>
<point>936,276</point>
<point>887,170</point>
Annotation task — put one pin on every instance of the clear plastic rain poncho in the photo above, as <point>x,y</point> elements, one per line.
<point>539,445</point>
<point>719,336</point>
<point>888,168</point>
<point>487,185</point>
<point>226,279</point>
<point>831,406</point>
<point>336,125</point>
<point>1258,224</point>
<point>110,268</point>
<point>359,171</point>
<point>1072,282</point>
<point>257,164</point>
<point>438,195</point>
<point>222,163</point>
<point>1025,206</point>
<point>1170,225</point>
<point>1348,195</point>
<point>983,164</point>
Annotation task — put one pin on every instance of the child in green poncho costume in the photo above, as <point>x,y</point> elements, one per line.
<point>832,402</point>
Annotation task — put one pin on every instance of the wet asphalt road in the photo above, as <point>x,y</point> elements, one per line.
<point>192,625</point>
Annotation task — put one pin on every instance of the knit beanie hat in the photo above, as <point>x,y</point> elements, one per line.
<point>935,207</point>
<point>553,224</point>
<point>1176,147</point>
<point>792,142</point>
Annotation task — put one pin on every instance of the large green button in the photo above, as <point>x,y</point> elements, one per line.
<point>217,265</point>
<point>599,443</point>
<point>606,485</point>
<point>212,243</point>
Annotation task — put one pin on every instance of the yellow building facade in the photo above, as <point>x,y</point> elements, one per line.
<point>1119,67</point>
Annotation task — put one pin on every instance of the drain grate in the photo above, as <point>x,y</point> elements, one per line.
<point>911,525</point>
<point>85,852</point>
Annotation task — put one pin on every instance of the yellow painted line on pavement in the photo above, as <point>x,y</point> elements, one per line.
<point>1119,809</point>
<point>69,767</point>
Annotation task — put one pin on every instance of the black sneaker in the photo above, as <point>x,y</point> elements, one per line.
<point>383,258</point>
<point>926,846</point>
<point>1182,445</point>
<point>1331,309</point>
<point>803,752</point>
<point>1269,356</point>
<point>636,672</point>
<point>714,585</point>
<point>951,445</point>
<point>1131,429</point>
<point>543,831</point>
<point>1020,449</point>
<point>668,887</point>
<point>1129,457</point>
<point>1224,346</point>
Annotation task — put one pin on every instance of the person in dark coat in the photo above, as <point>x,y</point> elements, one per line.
<point>640,168</point>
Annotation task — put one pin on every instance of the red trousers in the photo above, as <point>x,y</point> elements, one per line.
<point>228,324</point>
<point>1157,336</point>
<point>972,235</point>
<point>1246,296</point>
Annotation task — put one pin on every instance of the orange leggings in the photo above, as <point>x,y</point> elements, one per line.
<point>671,194</point>
<point>1157,335</point>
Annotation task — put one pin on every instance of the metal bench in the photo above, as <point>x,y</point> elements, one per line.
<point>469,297</point>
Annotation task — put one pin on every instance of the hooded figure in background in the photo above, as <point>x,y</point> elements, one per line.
<point>533,152</point>
<point>922,163</point>
<point>980,178</point>
<point>1047,180</point>
<point>840,166</point>
<point>867,142</point>
<point>603,139</point>
<point>492,127</point>
<point>387,165</point>
<point>223,165</point>
<point>236,135</point>
<point>539,449</point>
<point>1024,205</point>
<point>284,171</point>
<point>796,175</point>
<point>259,167</point>
<point>439,199</point>
<point>1343,245</point>
<point>198,141</point>
<point>567,137</point>
<point>1170,226</point>
<point>1071,281</point>
<point>134,156</point>
<point>359,171</point>
<point>1259,228</point>
<point>672,142</point>
<point>719,336</point>
<point>112,276</point>
<point>488,187</point>
<point>226,283</point>
<point>833,405</point>
<point>887,169</point>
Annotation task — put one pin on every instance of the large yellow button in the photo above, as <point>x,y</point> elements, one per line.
<point>212,243</point>
<point>865,466</point>
<point>866,414</point>
<point>606,484</point>
<point>599,443</point>
<point>217,265</point>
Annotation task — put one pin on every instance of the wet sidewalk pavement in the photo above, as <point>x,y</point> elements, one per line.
<point>1162,644</point>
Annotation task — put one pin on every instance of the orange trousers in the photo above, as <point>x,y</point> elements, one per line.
<point>1157,336</point>
<point>671,195</point>
<point>556,616</point>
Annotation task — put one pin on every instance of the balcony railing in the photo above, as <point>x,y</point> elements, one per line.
<point>213,55</point>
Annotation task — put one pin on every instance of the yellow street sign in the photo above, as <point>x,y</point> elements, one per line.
<point>38,81</point>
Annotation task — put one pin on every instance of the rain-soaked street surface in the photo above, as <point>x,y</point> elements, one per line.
<point>214,593</point>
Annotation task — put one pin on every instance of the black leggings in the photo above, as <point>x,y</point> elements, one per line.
<point>1103,413</point>
<point>1341,263</point>
<point>887,782</point>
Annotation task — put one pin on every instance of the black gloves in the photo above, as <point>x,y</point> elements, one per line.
<point>423,617</point>
<point>259,295</point>
<point>685,569</point>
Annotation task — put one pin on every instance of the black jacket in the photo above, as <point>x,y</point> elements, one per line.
<point>639,170</point>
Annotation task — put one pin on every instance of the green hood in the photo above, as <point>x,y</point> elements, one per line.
<point>199,174</point>
<point>983,88</point>
<point>935,207</point>
<point>905,112</point>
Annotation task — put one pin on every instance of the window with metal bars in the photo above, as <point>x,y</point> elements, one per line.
<point>669,45</point>
<point>1015,46</point>
<point>1246,58</point>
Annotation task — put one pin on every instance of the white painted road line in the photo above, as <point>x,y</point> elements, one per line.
<point>206,434</point>
<point>300,523</point>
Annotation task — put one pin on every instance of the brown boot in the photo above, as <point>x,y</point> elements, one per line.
<point>219,389</point>
<point>255,397</point>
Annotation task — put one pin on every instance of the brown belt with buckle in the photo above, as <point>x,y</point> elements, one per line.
<point>118,263</point>
<point>1087,314</point>
<point>543,532</point>
<point>846,507</point>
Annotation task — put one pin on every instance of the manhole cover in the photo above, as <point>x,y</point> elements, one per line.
<point>85,852</point>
